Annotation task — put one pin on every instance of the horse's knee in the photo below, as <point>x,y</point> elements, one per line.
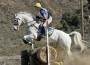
<point>25,40</point>
<point>24,37</point>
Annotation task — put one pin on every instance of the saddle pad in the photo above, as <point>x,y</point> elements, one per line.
<point>50,31</point>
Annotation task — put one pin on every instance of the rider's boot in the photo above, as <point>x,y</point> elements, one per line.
<point>43,31</point>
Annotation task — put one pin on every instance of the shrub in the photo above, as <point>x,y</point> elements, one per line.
<point>70,20</point>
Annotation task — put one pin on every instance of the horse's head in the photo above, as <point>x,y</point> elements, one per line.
<point>17,21</point>
<point>22,17</point>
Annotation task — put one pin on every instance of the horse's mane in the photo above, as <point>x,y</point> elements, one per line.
<point>26,13</point>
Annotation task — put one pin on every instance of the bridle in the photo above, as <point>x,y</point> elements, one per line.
<point>16,21</point>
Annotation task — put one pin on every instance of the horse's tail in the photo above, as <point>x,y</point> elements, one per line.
<point>78,40</point>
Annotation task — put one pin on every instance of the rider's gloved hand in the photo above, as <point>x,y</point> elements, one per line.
<point>44,20</point>
<point>38,17</point>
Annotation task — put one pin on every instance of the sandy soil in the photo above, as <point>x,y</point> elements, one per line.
<point>79,59</point>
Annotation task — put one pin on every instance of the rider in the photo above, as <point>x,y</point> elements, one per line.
<point>44,16</point>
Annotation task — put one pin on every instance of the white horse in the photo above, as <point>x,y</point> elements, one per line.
<point>57,35</point>
<point>22,18</point>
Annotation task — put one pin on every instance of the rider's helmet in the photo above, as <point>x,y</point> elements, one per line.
<point>38,5</point>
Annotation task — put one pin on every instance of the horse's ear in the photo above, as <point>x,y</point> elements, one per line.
<point>15,15</point>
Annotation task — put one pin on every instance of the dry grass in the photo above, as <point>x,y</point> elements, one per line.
<point>11,41</point>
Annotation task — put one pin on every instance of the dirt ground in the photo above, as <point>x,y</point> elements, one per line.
<point>79,59</point>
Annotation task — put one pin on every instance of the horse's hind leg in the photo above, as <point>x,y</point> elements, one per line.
<point>67,47</point>
<point>69,53</point>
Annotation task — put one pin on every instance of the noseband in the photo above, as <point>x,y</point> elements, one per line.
<point>16,21</point>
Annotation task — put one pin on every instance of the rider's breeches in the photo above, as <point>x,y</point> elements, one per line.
<point>49,21</point>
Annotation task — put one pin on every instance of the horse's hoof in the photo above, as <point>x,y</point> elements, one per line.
<point>30,43</point>
<point>25,41</point>
<point>82,51</point>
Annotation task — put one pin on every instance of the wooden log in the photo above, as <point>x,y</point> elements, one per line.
<point>42,54</point>
<point>24,57</point>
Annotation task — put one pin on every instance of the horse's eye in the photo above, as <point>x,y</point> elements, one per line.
<point>15,22</point>
<point>15,19</point>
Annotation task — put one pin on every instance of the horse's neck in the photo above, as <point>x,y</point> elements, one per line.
<point>22,18</point>
<point>26,19</point>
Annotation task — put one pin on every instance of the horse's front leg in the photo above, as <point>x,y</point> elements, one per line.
<point>28,39</point>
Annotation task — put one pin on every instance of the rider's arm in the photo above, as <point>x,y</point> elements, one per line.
<point>43,13</point>
<point>44,18</point>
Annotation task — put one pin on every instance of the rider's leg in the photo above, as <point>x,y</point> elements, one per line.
<point>42,27</point>
<point>49,21</point>
<point>45,24</point>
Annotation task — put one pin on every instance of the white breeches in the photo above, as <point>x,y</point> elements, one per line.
<point>49,21</point>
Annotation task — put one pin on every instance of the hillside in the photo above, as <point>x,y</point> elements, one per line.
<point>11,41</point>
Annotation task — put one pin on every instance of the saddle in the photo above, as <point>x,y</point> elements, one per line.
<point>41,32</point>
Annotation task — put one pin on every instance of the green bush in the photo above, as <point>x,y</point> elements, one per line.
<point>70,20</point>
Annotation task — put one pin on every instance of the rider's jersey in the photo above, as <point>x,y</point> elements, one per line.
<point>42,12</point>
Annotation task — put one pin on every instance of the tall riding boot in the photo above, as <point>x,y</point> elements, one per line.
<point>43,31</point>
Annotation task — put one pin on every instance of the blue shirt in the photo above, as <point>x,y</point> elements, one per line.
<point>42,12</point>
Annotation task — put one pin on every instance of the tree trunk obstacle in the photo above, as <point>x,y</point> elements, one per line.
<point>38,56</point>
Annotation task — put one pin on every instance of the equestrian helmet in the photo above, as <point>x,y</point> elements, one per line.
<point>38,5</point>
